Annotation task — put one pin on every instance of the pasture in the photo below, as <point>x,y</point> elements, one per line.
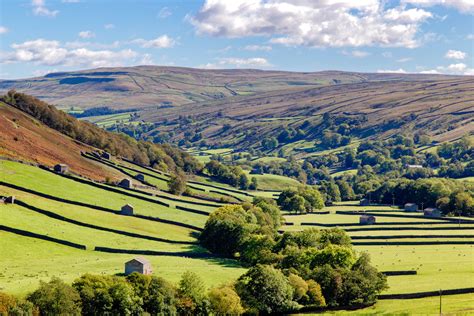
<point>438,266</point>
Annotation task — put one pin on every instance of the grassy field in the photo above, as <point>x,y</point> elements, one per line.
<point>46,182</point>
<point>460,305</point>
<point>44,259</point>
<point>273,181</point>
<point>438,266</point>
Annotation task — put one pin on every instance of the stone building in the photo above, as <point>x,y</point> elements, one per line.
<point>140,265</point>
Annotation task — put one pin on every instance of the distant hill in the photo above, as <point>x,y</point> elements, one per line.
<point>154,86</point>
<point>240,108</point>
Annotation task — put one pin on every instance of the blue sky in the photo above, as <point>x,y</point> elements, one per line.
<point>413,36</point>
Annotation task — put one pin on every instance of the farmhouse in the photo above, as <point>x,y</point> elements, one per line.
<point>140,265</point>
<point>364,202</point>
<point>411,207</point>
<point>106,155</point>
<point>432,212</point>
<point>140,177</point>
<point>367,219</point>
<point>10,199</point>
<point>127,209</point>
<point>61,168</point>
<point>126,183</point>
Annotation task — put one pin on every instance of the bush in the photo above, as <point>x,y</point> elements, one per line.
<point>177,184</point>
<point>56,298</point>
<point>265,289</point>
<point>225,301</point>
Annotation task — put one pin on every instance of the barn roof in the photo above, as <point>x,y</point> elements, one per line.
<point>140,259</point>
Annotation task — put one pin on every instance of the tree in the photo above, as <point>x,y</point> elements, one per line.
<point>225,301</point>
<point>192,295</point>
<point>265,289</point>
<point>107,295</point>
<point>177,184</point>
<point>314,296</point>
<point>161,297</point>
<point>253,184</point>
<point>56,298</point>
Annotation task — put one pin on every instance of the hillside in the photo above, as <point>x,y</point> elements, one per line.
<point>25,138</point>
<point>442,109</point>
<point>154,86</point>
<point>239,108</point>
<point>164,157</point>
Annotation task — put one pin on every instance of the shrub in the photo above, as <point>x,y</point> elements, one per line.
<point>225,301</point>
<point>56,298</point>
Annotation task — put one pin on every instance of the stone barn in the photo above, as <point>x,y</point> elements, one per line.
<point>364,202</point>
<point>61,168</point>
<point>126,183</point>
<point>10,200</point>
<point>411,207</point>
<point>106,155</point>
<point>432,212</point>
<point>140,177</point>
<point>140,265</point>
<point>127,209</point>
<point>367,219</point>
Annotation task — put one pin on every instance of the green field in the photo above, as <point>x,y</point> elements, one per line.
<point>46,182</point>
<point>273,181</point>
<point>109,120</point>
<point>26,261</point>
<point>451,305</point>
<point>438,266</point>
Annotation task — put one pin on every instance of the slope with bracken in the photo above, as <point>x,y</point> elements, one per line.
<point>34,131</point>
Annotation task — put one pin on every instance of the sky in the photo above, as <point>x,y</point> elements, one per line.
<point>403,36</point>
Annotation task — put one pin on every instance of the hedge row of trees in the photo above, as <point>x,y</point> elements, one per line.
<point>309,269</point>
<point>136,294</point>
<point>164,157</point>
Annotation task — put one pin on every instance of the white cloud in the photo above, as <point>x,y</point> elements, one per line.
<point>452,69</point>
<point>395,71</point>
<point>109,26</point>
<point>329,23</point>
<point>455,54</point>
<point>3,30</point>
<point>466,6</point>
<point>235,62</point>
<point>86,34</point>
<point>70,1</point>
<point>470,37</point>
<point>53,53</point>
<point>404,60</point>
<point>163,41</point>
<point>430,72</point>
<point>387,54</point>
<point>39,8</point>
<point>164,13</point>
<point>258,47</point>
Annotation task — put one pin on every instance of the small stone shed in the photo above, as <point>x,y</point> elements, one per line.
<point>61,168</point>
<point>126,183</point>
<point>411,207</point>
<point>106,155</point>
<point>140,265</point>
<point>367,219</point>
<point>127,209</point>
<point>432,212</point>
<point>364,202</point>
<point>10,200</point>
<point>140,177</point>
